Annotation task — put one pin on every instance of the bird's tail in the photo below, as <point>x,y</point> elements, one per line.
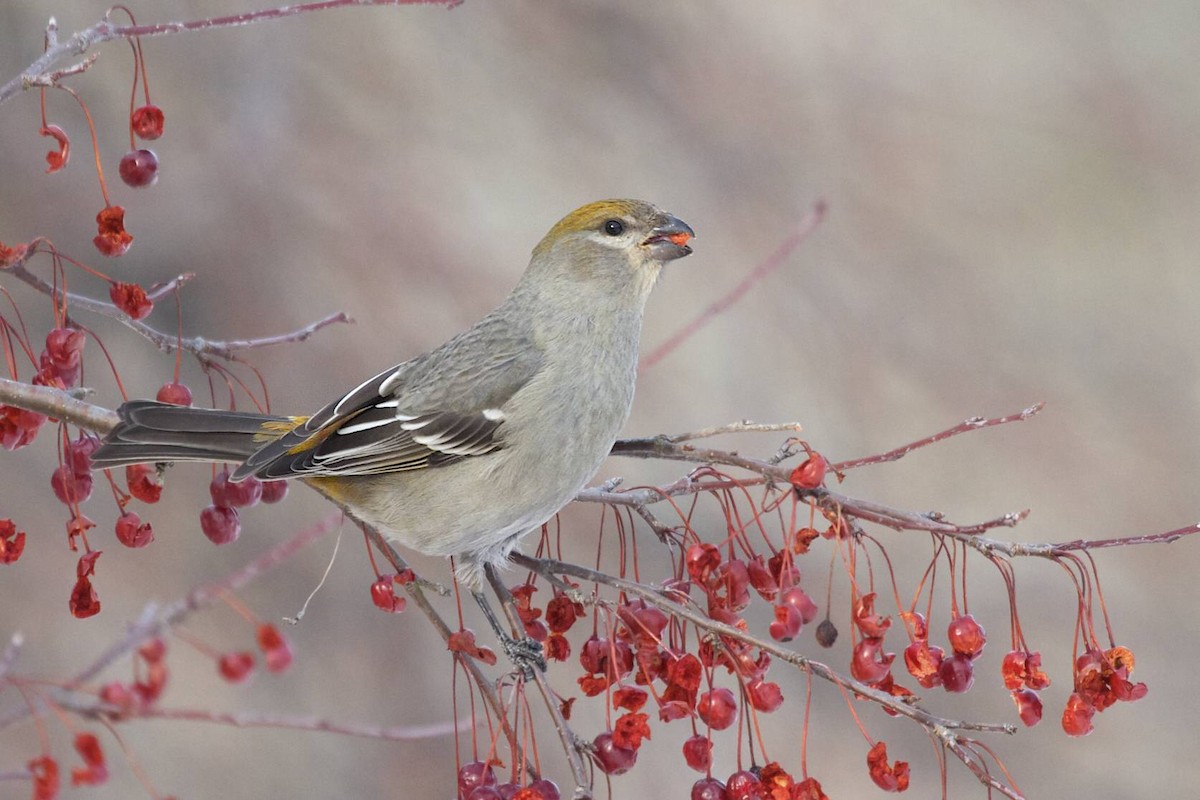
<point>156,432</point>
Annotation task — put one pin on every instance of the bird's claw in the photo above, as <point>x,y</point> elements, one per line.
<point>526,655</point>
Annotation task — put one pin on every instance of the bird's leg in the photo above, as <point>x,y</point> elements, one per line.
<point>525,653</point>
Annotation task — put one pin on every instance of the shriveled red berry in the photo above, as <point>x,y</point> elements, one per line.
<point>811,473</point>
<point>787,623</point>
<point>147,122</point>
<point>142,480</point>
<point>924,662</point>
<point>1077,716</point>
<point>274,491</point>
<point>717,708</point>
<point>701,560</point>
<point>697,752</point>
<point>709,789</point>
<point>827,633</point>
<point>610,757</point>
<point>957,673</point>
<point>1029,706</point>
<point>111,238</point>
<point>221,524</point>
<point>966,636</point>
<point>236,667</point>
<point>132,532</point>
<point>174,393</point>
<point>139,168</point>
<point>131,298</point>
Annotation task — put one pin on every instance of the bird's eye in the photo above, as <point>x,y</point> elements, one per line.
<point>614,227</point>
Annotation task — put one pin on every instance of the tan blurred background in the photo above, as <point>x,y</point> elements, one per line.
<point>1013,217</point>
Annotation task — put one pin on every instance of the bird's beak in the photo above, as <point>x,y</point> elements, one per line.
<point>669,239</point>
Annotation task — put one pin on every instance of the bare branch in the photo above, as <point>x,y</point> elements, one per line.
<point>57,404</point>
<point>40,72</point>
<point>169,342</point>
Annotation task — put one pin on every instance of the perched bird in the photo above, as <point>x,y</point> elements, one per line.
<point>464,449</point>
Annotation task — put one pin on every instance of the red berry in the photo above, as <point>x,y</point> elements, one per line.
<point>132,532</point>
<point>275,647</point>
<point>474,775</point>
<point>70,487</point>
<point>764,695</point>
<point>717,708</point>
<point>244,493</point>
<point>274,491</point>
<point>744,785</point>
<point>709,789</point>
<point>547,788</point>
<point>697,752</point>
<point>787,623</point>
<point>220,524</point>
<point>80,452</point>
<point>147,121</point>
<point>385,597</point>
<point>236,667</point>
<point>610,756</point>
<point>957,673</point>
<point>174,393</point>
<point>967,637</point>
<point>799,599</point>
<point>64,353</point>
<point>139,168</point>
<point>485,793</point>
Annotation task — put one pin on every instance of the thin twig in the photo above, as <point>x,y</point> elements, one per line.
<point>967,425</point>
<point>808,223</point>
<point>255,719</point>
<point>153,623</point>
<point>570,742</point>
<point>169,342</point>
<point>940,726</point>
<point>39,72</point>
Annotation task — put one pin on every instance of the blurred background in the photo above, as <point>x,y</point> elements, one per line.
<point>1013,218</point>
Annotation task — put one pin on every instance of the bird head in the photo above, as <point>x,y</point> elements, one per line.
<point>613,244</point>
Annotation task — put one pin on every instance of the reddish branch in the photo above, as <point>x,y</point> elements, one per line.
<point>153,623</point>
<point>807,225</point>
